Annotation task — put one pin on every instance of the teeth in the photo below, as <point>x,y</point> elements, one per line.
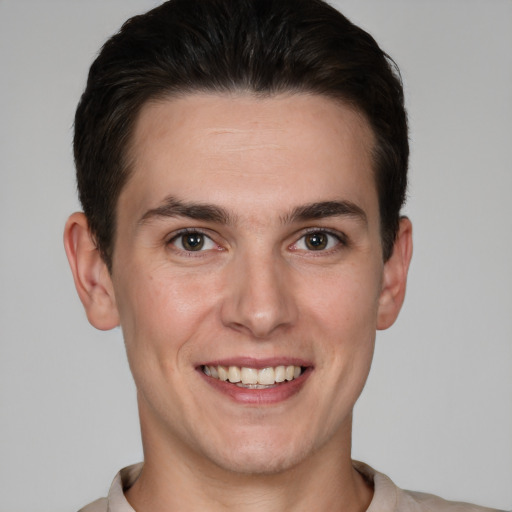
<point>266,376</point>
<point>234,374</point>
<point>249,376</point>
<point>252,377</point>
<point>280,374</point>
<point>221,370</point>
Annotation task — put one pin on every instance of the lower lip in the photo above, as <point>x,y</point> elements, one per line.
<point>273,395</point>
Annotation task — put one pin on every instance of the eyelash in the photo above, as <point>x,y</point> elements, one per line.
<point>190,231</point>
<point>340,237</point>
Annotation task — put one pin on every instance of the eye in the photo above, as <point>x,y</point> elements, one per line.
<point>193,241</point>
<point>317,241</point>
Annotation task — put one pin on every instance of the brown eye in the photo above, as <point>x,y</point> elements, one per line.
<point>319,241</point>
<point>316,241</point>
<point>192,241</point>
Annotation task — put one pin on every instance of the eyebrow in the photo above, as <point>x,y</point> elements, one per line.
<point>173,207</point>
<point>320,210</point>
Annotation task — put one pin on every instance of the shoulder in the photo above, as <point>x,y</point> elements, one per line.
<point>411,501</point>
<point>116,501</point>
<point>100,505</point>
<point>390,498</point>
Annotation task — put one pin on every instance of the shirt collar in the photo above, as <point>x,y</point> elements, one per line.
<point>117,501</point>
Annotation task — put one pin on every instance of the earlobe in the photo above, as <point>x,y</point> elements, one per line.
<point>394,279</point>
<point>92,279</point>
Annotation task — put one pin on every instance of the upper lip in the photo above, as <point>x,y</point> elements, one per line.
<point>251,362</point>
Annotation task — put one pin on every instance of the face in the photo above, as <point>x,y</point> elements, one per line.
<point>248,276</point>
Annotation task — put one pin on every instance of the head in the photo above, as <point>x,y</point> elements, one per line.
<point>242,164</point>
<point>260,47</point>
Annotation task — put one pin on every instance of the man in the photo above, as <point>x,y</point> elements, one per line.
<point>242,166</point>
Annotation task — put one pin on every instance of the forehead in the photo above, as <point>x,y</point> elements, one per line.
<point>271,151</point>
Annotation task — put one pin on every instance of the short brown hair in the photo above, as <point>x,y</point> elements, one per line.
<point>264,47</point>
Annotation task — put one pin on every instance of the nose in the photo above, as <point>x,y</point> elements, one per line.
<point>259,298</point>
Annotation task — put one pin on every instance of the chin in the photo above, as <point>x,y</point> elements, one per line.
<point>259,457</point>
<point>255,464</point>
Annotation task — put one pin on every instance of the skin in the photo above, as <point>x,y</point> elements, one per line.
<point>256,292</point>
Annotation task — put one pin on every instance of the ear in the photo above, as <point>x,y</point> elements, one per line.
<point>394,278</point>
<point>92,278</point>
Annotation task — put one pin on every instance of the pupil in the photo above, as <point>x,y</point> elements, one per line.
<point>193,242</point>
<point>316,241</point>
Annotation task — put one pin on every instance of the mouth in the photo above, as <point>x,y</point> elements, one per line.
<point>254,378</point>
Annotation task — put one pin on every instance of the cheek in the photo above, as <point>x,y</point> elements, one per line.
<point>346,315</point>
<point>347,300</point>
<point>160,312</point>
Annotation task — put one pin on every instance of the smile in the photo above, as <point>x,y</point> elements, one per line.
<point>253,378</point>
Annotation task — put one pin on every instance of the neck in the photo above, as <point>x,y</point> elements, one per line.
<point>177,478</point>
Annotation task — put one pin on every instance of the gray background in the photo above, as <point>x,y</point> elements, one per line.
<point>436,414</point>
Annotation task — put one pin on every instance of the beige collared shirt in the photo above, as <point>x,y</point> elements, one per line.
<point>387,496</point>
